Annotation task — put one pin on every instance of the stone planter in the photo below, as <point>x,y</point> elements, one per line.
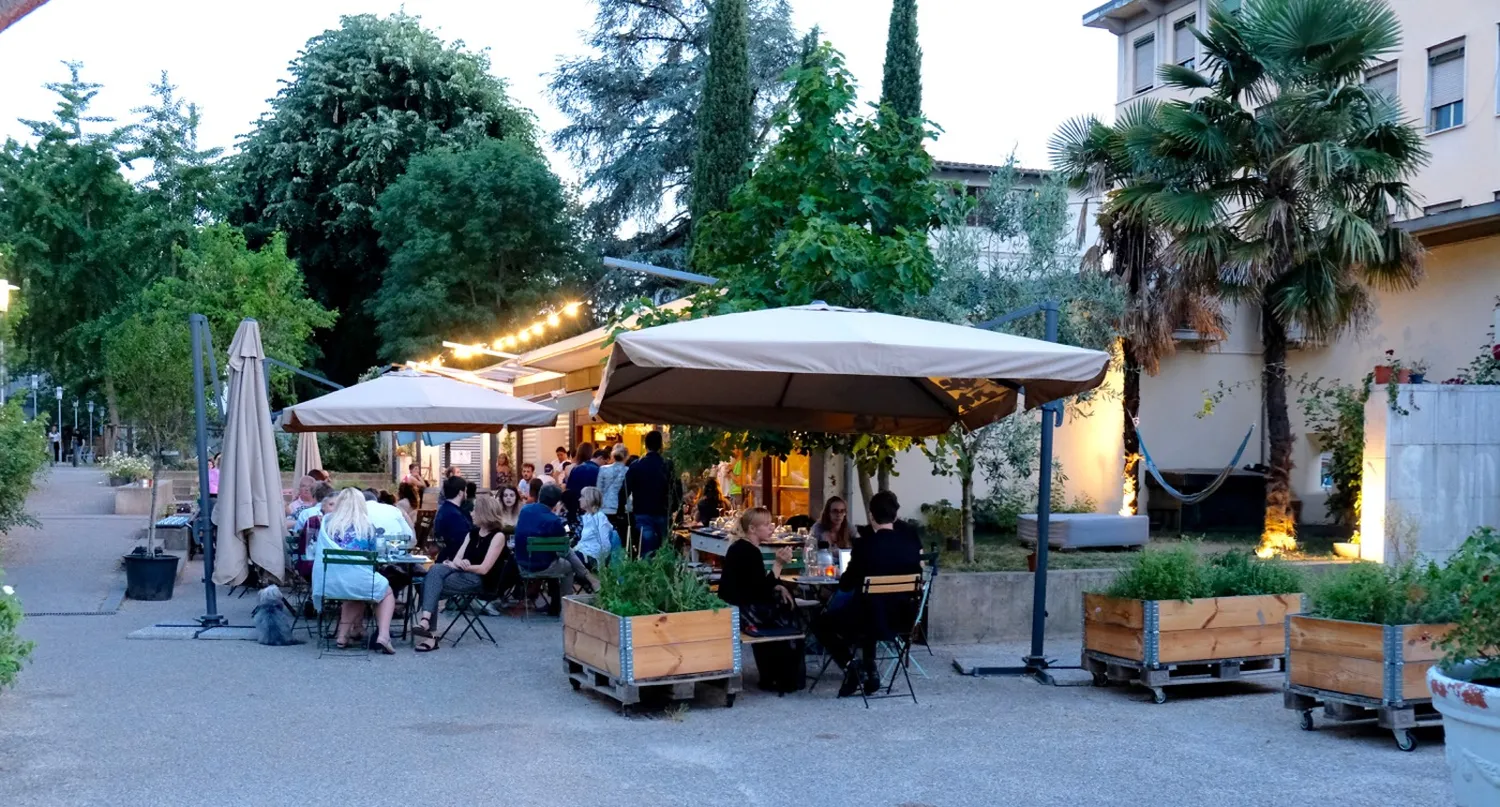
<point>133,500</point>
<point>1471,724</point>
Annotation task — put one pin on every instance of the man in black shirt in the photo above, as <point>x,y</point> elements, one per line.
<point>648,483</point>
<point>451,525</point>
<point>886,550</point>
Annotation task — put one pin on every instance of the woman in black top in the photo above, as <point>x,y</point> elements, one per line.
<point>764,604</point>
<point>709,504</point>
<point>475,568</point>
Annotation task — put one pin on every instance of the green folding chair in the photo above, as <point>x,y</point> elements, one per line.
<point>555,544</point>
<point>344,558</point>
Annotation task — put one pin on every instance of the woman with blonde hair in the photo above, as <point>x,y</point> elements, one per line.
<point>476,568</point>
<point>596,533</point>
<point>348,527</point>
<point>503,477</point>
<point>766,606</point>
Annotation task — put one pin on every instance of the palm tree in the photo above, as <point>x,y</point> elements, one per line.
<point>1278,184</point>
<point>1096,158</point>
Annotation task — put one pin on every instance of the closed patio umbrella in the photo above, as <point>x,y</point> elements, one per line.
<point>823,368</point>
<point>308,456</point>
<point>408,400</point>
<point>250,508</point>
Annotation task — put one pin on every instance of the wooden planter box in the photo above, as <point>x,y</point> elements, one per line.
<point>1160,642</point>
<point>1360,670</point>
<point>619,655</point>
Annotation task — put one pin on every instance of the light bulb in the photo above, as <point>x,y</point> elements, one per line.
<point>554,320</point>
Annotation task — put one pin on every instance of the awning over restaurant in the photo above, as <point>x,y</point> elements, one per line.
<point>412,401</point>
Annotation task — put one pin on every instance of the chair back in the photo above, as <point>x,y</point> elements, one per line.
<point>892,602</point>
<point>423,527</point>
<point>893,584</point>
<point>551,543</point>
<point>349,557</point>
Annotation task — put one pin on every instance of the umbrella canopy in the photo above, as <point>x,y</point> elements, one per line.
<point>411,401</point>
<point>250,509</point>
<point>308,456</point>
<point>822,368</point>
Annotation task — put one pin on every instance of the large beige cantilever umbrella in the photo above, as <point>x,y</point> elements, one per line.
<point>822,368</point>
<point>249,509</point>
<point>409,400</point>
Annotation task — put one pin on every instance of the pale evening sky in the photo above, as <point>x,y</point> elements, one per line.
<point>997,76</point>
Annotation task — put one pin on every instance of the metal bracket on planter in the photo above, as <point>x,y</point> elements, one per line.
<point>734,630</point>
<point>627,662</point>
<point>1391,680</point>
<point>1153,634</point>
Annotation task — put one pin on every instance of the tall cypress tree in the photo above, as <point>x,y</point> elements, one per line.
<point>901,87</point>
<point>724,115</point>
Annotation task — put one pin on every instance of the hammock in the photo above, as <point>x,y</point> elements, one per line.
<point>1192,498</point>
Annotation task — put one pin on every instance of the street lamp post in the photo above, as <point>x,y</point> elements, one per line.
<point>59,424</point>
<point>91,431</point>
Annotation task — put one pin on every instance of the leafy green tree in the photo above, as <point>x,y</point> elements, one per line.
<point>1278,184</point>
<point>632,105</point>
<point>362,100</point>
<point>226,281</point>
<point>182,185</point>
<point>723,124</point>
<point>23,453</point>
<point>901,86</point>
<point>476,238</point>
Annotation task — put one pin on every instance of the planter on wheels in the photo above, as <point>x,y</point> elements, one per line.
<point>1471,728</point>
<point>150,578</point>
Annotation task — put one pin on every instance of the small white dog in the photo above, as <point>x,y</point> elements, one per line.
<point>273,618</point>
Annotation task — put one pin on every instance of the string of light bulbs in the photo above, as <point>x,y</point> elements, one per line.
<point>503,346</point>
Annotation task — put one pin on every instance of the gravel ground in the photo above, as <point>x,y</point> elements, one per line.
<point>101,719</point>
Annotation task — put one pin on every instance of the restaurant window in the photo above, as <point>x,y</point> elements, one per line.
<point>1382,79</point>
<point>1445,86</point>
<point>1145,64</point>
<point>1184,44</point>
<point>791,486</point>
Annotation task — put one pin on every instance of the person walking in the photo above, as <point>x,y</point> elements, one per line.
<point>648,482</point>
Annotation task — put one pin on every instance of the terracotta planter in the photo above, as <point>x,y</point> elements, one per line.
<point>1383,375</point>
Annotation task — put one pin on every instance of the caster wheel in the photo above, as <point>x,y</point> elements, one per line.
<point>729,701</point>
<point>1101,680</point>
<point>1305,721</point>
<point>1406,741</point>
<point>576,686</point>
<point>1158,696</point>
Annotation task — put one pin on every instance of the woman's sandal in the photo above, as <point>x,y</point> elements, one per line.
<point>427,648</point>
<point>386,649</point>
<point>424,631</point>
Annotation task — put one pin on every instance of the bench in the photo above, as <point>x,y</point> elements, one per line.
<point>180,522</point>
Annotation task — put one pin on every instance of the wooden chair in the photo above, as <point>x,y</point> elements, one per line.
<point>422,529</point>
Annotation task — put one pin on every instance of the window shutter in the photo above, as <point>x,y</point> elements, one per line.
<point>1184,44</point>
<point>1383,81</point>
<point>1145,64</point>
<point>1447,78</point>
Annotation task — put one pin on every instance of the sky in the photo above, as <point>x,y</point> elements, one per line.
<point>991,73</point>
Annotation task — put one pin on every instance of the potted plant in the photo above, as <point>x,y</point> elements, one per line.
<point>1364,645</point>
<point>1466,682</point>
<point>1393,371</point>
<point>945,521</point>
<point>125,469</point>
<point>1173,616</point>
<point>149,362</point>
<point>1418,372</point>
<point>652,624</point>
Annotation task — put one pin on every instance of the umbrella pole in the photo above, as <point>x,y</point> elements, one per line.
<point>198,326</point>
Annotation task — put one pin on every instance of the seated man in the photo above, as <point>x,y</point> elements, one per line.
<point>543,519</point>
<point>886,550</point>
<point>451,525</point>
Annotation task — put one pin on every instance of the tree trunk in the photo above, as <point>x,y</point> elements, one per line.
<point>883,478</point>
<point>967,483</point>
<point>151,516</point>
<point>865,493</point>
<point>1130,404</point>
<point>1280,528</point>
<point>112,413</point>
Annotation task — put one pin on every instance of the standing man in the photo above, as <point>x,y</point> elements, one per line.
<point>56,437</point>
<point>648,482</point>
<point>450,525</point>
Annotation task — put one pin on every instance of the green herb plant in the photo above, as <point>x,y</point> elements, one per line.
<point>1405,593</point>
<point>1181,573</point>
<point>660,584</point>
<point>1472,648</point>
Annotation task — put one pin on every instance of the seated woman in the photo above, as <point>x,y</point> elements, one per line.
<point>709,503</point>
<point>596,533</point>
<point>833,530</point>
<point>307,540</point>
<point>474,569</point>
<point>304,498</point>
<point>764,604</point>
<point>348,527</point>
<point>407,502</point>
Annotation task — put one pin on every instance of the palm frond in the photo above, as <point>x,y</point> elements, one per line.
<point>1183,77</point>
<point>1400,265</point>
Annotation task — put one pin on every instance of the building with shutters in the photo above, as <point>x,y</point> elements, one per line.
<point>1444,75</point>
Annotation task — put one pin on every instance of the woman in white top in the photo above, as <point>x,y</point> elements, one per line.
<point>595,541</point>
<point>349,527</point>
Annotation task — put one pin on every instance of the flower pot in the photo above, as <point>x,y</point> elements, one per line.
<point>1417,378</point>
<point>1383,374</point>
<point>150,578</point>
<point>1348,550</point>
<point>1471,726</point>
<point>1031,562</point>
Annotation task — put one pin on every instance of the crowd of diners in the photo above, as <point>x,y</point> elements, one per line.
<point>480,543</point>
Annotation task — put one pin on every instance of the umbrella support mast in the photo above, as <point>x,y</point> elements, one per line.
<point>1036,663</point>
<point>198,325</point>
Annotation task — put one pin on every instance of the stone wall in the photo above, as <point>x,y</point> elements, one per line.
<point>1432,474</point>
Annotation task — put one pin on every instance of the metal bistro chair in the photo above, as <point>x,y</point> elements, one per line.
<point>422,528</point>
<point>901,625</point>
<point>298,589</point>
<point>346,557</point>
<point>555,544</point>
<point>929,574</point>
<point>470,607</point>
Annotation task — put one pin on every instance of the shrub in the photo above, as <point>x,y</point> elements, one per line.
<point>1180,573</point>
<point>13,649</point>
<point>1400,594</point>
<point>1474,572</point>
<point>943,519</point>
<point>660,584</point>
<point>126,466</point>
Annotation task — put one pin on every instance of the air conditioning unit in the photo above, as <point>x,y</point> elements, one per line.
<point>1184,332</point>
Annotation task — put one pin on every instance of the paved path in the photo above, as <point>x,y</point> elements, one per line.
<point>99,719</point>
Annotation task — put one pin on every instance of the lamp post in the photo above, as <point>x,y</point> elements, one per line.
<point>59,424</point>
<point>91,430</point>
